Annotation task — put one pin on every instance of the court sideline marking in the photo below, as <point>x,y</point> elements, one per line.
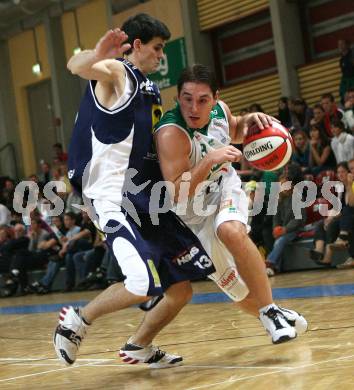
<point>91,364</point>
<point>270,373</point>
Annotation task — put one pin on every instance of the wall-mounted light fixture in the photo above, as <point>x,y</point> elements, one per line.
<point>79,46</point>
<point>36,68</point>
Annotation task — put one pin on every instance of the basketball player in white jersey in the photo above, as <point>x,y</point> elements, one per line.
<point>193,143</point>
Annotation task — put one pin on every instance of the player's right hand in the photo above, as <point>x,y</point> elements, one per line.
<point>225,154</point>
<point>112,45</point>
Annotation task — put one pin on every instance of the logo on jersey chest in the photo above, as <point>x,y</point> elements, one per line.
<point>146,87</point>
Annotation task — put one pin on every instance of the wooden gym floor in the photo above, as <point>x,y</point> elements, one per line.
<point>222,348</point>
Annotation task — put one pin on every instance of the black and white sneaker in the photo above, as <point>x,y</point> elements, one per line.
<point>294,319</point>
<point>69,334</point>
<point>276,325</point>
<point>151,355</point>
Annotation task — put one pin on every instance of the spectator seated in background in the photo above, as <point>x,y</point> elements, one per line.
<point>284,114</point>
<point>64,177</point>
<point>349,262</point>
<point>72,200</point>
<point>106,274</point>
<point>86,262</point>
<point>256,222</point>
<point>15,218</point>
<point>16,246</point>
<point>318,118</point>
<point>57,261</point>
<point>255,107</point>
<point>35,257</point>
<point>82,240</point>
<point>59,155</point>
<point>349,111</point>
<point>7,194</point>
<point>337,225</point>
<point>321,154</point>
<point>57,176</point>
<point>5,215</point>
<point>285,225</point>
<point>243,111</point>
<point>346,64</point>
<point>6,234</point>
<point>301,116</point>
<point>332,112</point>
<point>53,246</point>
<point>301,153</point>
<point>45,174</point>
<point>342,143</point>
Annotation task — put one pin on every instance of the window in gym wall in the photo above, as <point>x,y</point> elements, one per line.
<point>245,49</point>
<point>328,21</point>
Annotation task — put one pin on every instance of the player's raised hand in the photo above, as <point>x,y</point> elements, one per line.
<point>225,154</point>
<point>112,45</point>
<point>260,119</point>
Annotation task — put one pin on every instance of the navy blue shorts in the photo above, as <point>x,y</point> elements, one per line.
<point>153,257</point>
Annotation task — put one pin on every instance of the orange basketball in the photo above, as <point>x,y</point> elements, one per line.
<point>268,149</point>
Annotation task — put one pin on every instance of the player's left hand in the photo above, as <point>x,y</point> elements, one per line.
<point>260,119</point>
<point>113,44</point>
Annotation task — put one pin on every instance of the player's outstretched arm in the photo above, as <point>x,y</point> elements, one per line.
<point>99,64</point>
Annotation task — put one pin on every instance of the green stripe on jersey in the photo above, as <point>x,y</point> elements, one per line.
<point>174,117</point>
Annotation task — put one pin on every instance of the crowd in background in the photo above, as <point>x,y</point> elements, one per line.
<point>323,140</point>
<point>49,243</point>
<point>323,150</point>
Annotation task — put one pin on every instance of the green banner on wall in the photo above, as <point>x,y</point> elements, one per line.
<point>170,68</point>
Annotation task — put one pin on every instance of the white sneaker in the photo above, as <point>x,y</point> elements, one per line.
<point>69,334</point>
<point>276,325</point>
<point>295,319</point>
<point>153,356</point>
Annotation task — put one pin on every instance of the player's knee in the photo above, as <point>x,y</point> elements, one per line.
<point>180,293</point>
<point>185,294</point>
<point>231,231</point>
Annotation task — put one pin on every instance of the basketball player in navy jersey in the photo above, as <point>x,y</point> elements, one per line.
<point>111,161</point>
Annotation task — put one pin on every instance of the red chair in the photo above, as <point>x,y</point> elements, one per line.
<point>313,216</point>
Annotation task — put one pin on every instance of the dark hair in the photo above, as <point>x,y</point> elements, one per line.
<point>329,96</point>
<point>293,173</point>
<point>255,107</point>
<point>144,27</point>
<point>283,99</point>
<point>319,106</point>
<point>343,164</point>
<point>323,137</point>
<point>197,73</point>
<point>339,124</point>
<point>58,145</point>
<point>300,132</point>
<point>71,215</point>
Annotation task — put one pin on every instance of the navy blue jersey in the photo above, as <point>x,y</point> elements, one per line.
<point>110,147</point>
